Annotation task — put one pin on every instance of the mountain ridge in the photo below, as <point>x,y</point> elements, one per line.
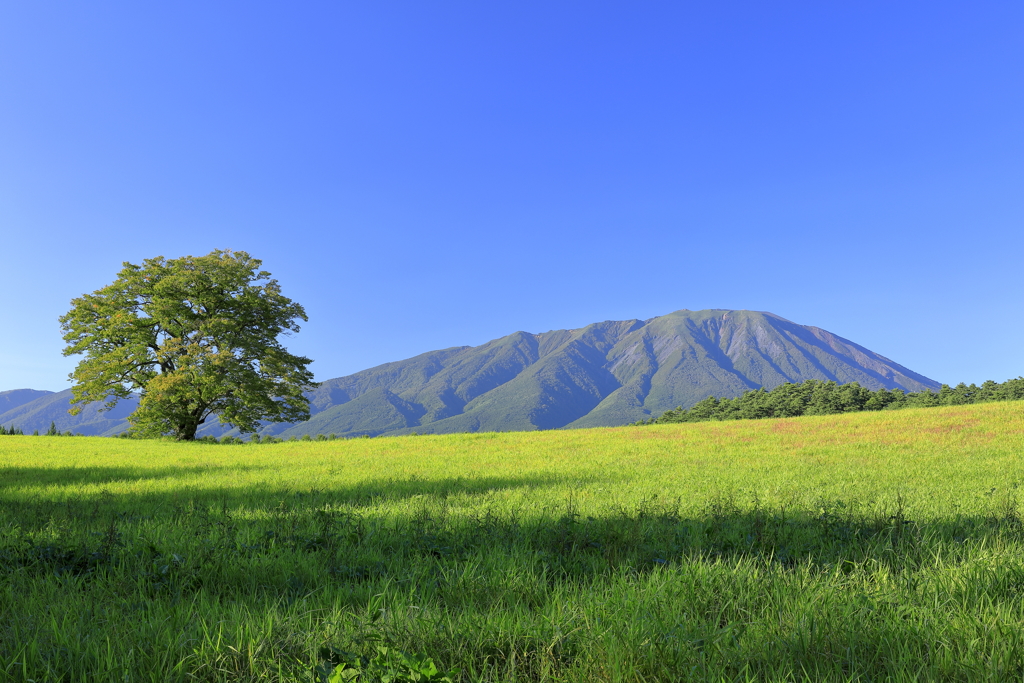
<point>603,374</point>
<point>15,398</point>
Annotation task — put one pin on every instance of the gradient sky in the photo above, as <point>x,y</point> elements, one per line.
<point>422,175</point>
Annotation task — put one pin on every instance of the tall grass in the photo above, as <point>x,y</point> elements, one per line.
<point>870,546</point>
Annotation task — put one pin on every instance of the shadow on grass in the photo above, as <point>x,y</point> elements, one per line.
<point>38,477</point>
<point>349,534</point>
<point>35,487</point>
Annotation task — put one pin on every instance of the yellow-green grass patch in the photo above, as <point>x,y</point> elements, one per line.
<point>865,546</point>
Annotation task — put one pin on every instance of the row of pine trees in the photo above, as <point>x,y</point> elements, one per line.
<point>16,431</point>
<point>815,397</point>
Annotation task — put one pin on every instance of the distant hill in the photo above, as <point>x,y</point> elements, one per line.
<point>9,400</point>
<point>605,374</point>
<point>53,407</point>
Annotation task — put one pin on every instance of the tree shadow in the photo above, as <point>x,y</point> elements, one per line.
<point>651,532</point>
<point>15,477</point>
<point>47,482</point>
<point>360,537</point>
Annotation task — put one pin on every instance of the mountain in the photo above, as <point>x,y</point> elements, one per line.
<point>604,374</point>
<point>53,407</point>
<point>9,400</point>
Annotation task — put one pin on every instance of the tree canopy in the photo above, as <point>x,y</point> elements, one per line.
<point>195,336</point>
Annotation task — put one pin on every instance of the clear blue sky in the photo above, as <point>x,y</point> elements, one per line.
<point>429,174</point>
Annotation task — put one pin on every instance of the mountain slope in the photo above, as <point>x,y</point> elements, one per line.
<point>604,374</point>
<point>53,407</point>
<point>9,400</point>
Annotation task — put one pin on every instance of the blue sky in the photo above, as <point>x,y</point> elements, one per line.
<point>425,175</point>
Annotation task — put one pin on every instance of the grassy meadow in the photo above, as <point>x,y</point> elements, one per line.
<point>858,547</point>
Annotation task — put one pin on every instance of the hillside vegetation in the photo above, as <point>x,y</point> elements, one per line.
<point>814,397</point>
<point>871,546</point>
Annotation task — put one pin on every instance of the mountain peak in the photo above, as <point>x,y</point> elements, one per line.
<point>603,374</point>
<point>610,373</point>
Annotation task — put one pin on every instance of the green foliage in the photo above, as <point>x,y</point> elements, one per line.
<point>17,431</point>
<point>195,337</point>
<point>386,665</point>
<point>814,397</point>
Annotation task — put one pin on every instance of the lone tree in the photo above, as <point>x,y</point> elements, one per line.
<point>195,336</point>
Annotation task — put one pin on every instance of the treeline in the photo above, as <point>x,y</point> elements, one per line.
<point>16,431</point>
<point>815,397</point>
<point>255,438</point>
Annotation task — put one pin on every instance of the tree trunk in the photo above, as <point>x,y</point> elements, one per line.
<point>187,431</point>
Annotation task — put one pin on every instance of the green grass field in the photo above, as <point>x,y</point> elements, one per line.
<point>868,546</point>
